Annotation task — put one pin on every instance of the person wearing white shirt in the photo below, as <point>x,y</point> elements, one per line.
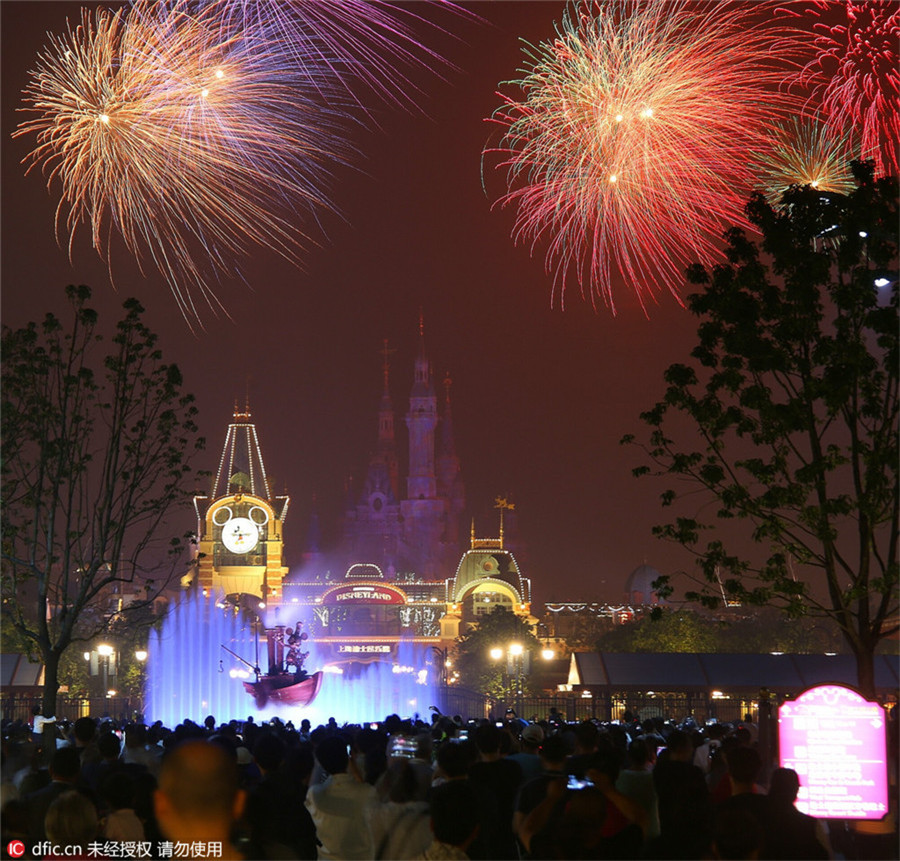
<point>339,806</point>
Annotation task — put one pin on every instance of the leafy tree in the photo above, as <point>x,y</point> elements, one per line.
<point>755,630</point>
<point>96,457</point>
<point>794,393</point>
<point>762,630</point>
<point>581,631</point>
<point>478,670</point>
<point>670,631</point>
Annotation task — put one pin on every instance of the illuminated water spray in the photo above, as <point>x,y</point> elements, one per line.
<point>190,675</point>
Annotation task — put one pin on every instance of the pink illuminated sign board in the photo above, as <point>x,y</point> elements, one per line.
<point>835,741</point>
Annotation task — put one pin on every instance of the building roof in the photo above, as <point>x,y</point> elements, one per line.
<point>241,466</point>
<point>489,565</point>
<point>639,586</point>
<point>17,670</point>
<point>691,670</point>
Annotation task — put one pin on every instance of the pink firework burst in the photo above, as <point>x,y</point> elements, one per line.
<point>366,46</point>
<point>629,151</point>
<point>855,73</point>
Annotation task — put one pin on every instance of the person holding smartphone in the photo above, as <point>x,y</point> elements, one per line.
<point>340,806</point>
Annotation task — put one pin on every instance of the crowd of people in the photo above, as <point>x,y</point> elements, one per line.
<point>409,788</point>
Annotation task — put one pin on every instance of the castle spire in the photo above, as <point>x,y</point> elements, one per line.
<point>386,353</point>
<point>447,468</point>
<point>241,467</point>
<point>448,442</point>
<point>384,470</point>
<point>421,420</point>
<point>422,384</point>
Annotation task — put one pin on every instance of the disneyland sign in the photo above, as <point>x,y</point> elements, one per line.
<point>365,595</point>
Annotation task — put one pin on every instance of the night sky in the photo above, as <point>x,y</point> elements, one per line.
<point>541,395</point>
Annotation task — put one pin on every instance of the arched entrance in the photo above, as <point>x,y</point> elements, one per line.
<point>483,598</point>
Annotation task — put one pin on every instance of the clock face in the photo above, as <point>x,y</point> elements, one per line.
<point>240,535</point>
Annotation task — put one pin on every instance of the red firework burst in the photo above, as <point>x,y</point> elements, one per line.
<point>628,153</point>
<point>855,74</point>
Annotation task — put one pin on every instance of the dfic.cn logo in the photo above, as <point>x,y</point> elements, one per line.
<point>16,848</point>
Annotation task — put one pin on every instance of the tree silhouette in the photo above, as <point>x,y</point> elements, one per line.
<point>96,458</point>
<point>794,395</point>
<point>478,670</point>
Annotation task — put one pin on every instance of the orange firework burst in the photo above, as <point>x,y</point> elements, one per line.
<point>185,136</point>
<point>806,152</point>
<point>629,151</point>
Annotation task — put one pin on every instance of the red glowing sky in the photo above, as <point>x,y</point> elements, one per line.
<point>541,395</point>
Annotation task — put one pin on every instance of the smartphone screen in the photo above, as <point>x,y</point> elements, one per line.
<point>404,746</point>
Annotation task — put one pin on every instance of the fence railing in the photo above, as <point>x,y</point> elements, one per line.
<point>21,707</point>
<point>453,700</point>
<point>576,706</point>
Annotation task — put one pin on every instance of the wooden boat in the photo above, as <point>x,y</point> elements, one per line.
<point>280,684</point>
<point>287,688</point>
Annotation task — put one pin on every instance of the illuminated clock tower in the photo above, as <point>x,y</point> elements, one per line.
<point>240,525</point>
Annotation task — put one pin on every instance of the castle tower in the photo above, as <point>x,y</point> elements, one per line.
<point>384,472</point>
<point>424,515</point>
<point>421,421</point>
<point>240,524</point>
<point>449,477</point>
<point>417,532</point>
<point>372,519</point>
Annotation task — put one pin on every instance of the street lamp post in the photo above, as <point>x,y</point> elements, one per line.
<point>141,657</point>
<point>517,660</point>
<point>442,658</point>
<point>517,653</point>
<point>105,651</point>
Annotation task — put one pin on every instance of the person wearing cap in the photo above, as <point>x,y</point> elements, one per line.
<point>528,759</point>
<point>514,722</point>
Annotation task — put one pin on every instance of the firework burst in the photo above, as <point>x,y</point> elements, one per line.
<point>629,150</point>
<point>198,129</point>
<point>806,152</point>
<point>186,136</point>
<point>368,47</point>
<point>853,76</point>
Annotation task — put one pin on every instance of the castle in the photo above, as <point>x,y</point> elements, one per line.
<point>408,574</point>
